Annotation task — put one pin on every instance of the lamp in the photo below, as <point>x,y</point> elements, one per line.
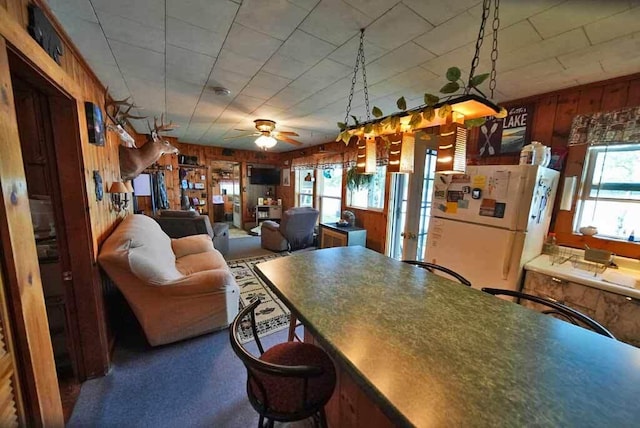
<point>119,196</point>
<point>265,142</point>
<point>401,152</point>
<point>452,147</point>
<point>366,156</point>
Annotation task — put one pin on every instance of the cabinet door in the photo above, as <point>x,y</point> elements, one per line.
<point>620,315</point>
<point>330,238</point>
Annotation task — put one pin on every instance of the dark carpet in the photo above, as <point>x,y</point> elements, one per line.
<point>194,383</point>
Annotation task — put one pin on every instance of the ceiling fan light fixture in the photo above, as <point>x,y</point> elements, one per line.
<point>265,142</point>
<point>264,125</point>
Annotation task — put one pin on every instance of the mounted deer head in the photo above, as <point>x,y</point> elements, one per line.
<point>134,161</point>
<point>113,111</point>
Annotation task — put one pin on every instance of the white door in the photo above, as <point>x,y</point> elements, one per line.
<point>410,207</point>
<point>486,256</point>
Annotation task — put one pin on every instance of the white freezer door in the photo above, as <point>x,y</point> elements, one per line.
<point>505,195</point>
<point>486,256</point>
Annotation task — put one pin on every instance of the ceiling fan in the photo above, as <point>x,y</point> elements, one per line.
<point>267,136</point>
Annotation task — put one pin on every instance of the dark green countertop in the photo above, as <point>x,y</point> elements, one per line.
<point>432,352</point>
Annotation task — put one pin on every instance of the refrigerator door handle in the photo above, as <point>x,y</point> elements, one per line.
<point>506,262</point>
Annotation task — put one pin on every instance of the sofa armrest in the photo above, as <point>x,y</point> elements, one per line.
<point>199,283</point>
<point>270,225</point>
<point>193,244</point>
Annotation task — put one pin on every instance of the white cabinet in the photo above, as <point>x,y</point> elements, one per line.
<point>268,212</point>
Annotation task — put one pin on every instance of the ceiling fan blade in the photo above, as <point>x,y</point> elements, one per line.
<point>290,141</point>
<point>293,134</point>
<point>242,136</point>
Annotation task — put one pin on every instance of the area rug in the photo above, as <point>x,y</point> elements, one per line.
<point>235,233</point>
<point>271,315</point>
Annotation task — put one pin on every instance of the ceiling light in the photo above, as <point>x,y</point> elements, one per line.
<point>220,90</point>
<point>265,142</point>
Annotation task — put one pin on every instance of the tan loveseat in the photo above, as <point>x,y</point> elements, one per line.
<point>177,288</point>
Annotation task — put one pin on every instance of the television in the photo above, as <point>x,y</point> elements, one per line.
<point>269,176</point>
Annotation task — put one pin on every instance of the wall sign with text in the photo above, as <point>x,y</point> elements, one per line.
<point>508,135</point>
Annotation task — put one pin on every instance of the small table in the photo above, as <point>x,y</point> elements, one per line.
<point>332,235</point>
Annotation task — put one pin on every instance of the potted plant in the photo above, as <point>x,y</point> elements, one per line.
<point>357,181</point>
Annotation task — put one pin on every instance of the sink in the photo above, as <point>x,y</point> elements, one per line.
<point>626,279</point>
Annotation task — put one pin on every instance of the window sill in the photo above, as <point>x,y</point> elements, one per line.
<point>379,210</point>
<point>605,238</point>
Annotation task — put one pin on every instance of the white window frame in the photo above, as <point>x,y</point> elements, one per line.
<point>380,170</point>
<point>321,197</point>
<point>300,174</point>
<point>588,186</point>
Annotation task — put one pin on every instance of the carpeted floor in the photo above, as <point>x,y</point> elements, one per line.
<point>194,383</point>
<point>235,233</point>
<point>248,246</point>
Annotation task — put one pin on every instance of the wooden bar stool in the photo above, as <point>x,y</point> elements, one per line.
<point>291,381</point>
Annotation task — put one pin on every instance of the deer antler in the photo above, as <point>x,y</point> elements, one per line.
<point>118,117</point>
<point>163,127</point>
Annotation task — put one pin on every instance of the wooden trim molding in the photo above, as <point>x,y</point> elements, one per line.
<point>20,260</point>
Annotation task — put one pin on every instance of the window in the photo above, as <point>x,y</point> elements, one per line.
<point>329,187</point>
<point>304,188</point>
<point>372,196</point>
<point>610,197</point>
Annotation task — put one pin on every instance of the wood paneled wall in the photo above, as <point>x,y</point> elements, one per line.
<point>553,114</point>
<point>75,80</point>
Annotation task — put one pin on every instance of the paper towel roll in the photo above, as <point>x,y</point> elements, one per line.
<point>568,190</point>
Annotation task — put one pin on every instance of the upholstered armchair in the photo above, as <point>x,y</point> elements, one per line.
<point>295,230</point>
<point>177,288</point>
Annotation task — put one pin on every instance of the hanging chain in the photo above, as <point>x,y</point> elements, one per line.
<point>364,76</point>
<point>476,57</point>
<point>359,60</point>
<point>494,48</point>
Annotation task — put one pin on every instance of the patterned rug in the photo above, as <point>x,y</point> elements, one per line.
<point>271,315</point>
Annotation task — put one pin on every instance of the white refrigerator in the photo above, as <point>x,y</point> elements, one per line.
<point>488,222</point>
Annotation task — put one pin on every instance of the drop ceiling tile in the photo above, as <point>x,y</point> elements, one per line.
<point>268,112</point>
<point>265,85</point>
<point>347,53</point>
<point>244,104</point>
<point>147,94</point>
<point>289,96</point>
<point>572,14</point>
<point>131,32</point>
<point>305,4</point>
<point>214,16</point>
<point>89,39</point>
<point>111,77</point>
<point>138,62</point>
<point>231,61</point>
<point>285,66</point>
<point>182,97</point>
<point>373,8</point>
<point>396,27</point>
<point>450,35</point>
<point>197,39</point>
<point>227,79</point>
<point>249,43</point>
<point>147,12</point>
<point>277,18</point>
<point>460,57</point>
<point>617,48</point>
<point>210,107</point>
<point>188,66</point>
<point>522,75</point>
<point>515,11</point>
<point>614,26</point>
<point>305,48</point>
<point>336,91</point>
<point>81,9</point>
<point>321,75</point>
<point>405,57</point>
<point>335,22</point>
<point>437,11</point>
<point>620,67</point>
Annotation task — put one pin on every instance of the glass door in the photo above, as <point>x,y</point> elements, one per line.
<point>410,207</point>
<point>236,197</point>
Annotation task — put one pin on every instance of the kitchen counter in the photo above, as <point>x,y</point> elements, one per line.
<point>628,272</point>
<point>431,352</point>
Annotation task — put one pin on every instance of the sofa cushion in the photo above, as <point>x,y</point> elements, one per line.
<point>192,263</point>
<point>179,213</point>
<point>193,244</point>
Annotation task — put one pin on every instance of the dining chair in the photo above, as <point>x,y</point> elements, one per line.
<point>431,267</point>
<point>555,309</point>
<point>291,381</point>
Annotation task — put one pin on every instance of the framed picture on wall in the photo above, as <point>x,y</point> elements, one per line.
<point>95,123</point>
<point>286,177</point>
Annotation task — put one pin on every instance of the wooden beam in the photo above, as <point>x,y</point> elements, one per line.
<point>20,259</point>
